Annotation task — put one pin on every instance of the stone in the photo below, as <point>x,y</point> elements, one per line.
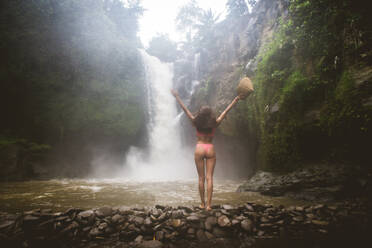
<point>102,226</point>
<point>191,230</point>
<point>177,214</point>
<point>209,235</point>
<point>162,216</point>
<point>218,232</point>
<point>201,236</point>
<point>176,223</point>
<point>235,222</point>
<point>148,221</point>
<point>210,222</point>
<point>225,212</point>
<point>187,209</point>
<point>128,235</point>
<point>264,219</point>
<point>298,218</point>
<point>117,219</point>
<point>171,235</point>
<point>320,223</point>
<point>249,207</point>
<point>95,232</point>
<point>6,224</point>
<point>70,227</point>
<point>155,212</point>
<point>138,239</point>
<point>138,220</point>
<point>86,214</point>
<point>104,212</point>
<point>247,225</point>
<point>30,221</point>
<point>62,218</point>
<point>193,218</point>
<point>228,207</point>
<point>160,207</point>
<point>310,216</point>
<point>299,208</point>
<point>223,221</point>
<point>67,212</point>
<point>124,210</point>
<point>158,226</point>
<point>151,244</point>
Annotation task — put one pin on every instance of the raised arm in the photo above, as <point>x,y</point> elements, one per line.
<point>187,112</point>
<point>224,113</point>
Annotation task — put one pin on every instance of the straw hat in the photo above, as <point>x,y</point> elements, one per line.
<point>245,88</point>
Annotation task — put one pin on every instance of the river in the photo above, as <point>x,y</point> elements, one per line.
<point>61,194</point>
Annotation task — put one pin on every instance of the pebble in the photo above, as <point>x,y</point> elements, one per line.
<point>138,239</point>
<point>138,220</point>
<point>86,214</point>
<point>151,244</point>
<point>176,223</point>
<point>95,232</point>
<point>247,225</point>
<point>210,222</point>
<point>320,223</point>
<point>223,221</point>
<point>193,218</point>
<point>117,218</point>
<point>201,236</point>
<point>148,221</point>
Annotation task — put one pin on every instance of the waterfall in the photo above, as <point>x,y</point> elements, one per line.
<point>166,159</point>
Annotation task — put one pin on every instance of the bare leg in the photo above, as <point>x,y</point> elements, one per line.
<point>199,161</point>
<point>211,163</point>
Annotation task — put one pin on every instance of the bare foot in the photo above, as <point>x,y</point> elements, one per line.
<point>202,206</point>
<point>208,208</point>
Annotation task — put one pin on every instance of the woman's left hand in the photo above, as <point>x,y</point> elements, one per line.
<point>174,93</point>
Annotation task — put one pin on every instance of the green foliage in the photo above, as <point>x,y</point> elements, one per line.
<point>198,25</point>
<point>306,69</point>
<point>237,8</point>
<point>71,71</point>
<point>27,146</point>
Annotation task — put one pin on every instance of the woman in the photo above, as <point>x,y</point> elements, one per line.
<point>206,124</point>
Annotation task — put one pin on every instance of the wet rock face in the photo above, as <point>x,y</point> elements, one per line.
<point>321,183</point>
<point>223,226</point>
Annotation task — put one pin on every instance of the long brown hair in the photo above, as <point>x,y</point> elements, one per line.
<point>205,120</point>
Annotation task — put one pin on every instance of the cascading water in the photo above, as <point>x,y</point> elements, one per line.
<point>166,158</point>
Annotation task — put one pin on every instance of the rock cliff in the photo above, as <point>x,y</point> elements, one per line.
<point>312,99</point>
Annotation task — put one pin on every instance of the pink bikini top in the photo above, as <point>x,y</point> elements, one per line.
<point>199,134</point>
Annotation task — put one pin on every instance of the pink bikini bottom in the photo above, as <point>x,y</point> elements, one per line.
<point>206,147</point>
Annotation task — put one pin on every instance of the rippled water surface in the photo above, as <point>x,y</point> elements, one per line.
<point>66,193</point>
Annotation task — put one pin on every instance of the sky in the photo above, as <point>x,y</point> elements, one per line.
<point>160,16</point>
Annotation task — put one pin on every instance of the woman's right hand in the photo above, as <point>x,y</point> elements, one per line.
<point>174,93</point>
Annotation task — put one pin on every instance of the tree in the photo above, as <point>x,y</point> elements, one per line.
<point>163,47</point>
<point>237,8</point>
<point>71,74</point>
<point>197,24</point>
<point>187,17</point>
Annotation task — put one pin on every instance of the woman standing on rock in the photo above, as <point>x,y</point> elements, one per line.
<point>205,123</point>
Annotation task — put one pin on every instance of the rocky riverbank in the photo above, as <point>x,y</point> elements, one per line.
<point>321,183</point>
<point>248,225</point>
